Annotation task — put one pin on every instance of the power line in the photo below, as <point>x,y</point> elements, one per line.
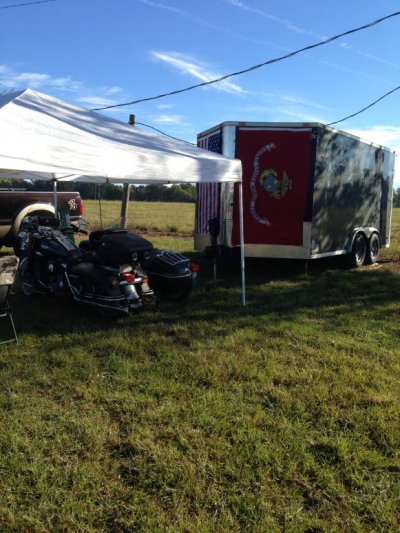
<point>163,133</point>
<point>328,124</point>
<point>27,4</point>
<point>254,67</point>
<point>365,108</point>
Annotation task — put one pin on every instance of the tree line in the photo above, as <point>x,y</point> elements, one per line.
<point>184,192</point>
<point>396,197</point>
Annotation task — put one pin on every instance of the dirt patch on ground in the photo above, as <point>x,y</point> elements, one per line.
<point>153,233</point>
<point>388,264</point>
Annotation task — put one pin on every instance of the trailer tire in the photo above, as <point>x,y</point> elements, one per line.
<point>373,249</point>
<point>358,252</point>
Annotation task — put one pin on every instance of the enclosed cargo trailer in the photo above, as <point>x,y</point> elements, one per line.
<point>309,191</point>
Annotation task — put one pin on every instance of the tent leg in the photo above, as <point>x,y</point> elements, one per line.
<point>124,205</point>
<point>55,199</point>
<point>242,261</point>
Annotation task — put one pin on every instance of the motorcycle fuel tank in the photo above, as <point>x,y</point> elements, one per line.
<point>53,248</point>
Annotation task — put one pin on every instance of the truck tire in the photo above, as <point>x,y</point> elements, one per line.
<point>373,246</point>
<point>358,252</point>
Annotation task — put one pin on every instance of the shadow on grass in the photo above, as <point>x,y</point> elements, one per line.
<point>279,289</point>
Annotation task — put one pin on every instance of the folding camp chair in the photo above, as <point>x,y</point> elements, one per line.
<point>8,272</point>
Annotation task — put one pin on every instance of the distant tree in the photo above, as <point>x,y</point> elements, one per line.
<point>10,183</point>
<point>184,192</point>
<point>396,197</point>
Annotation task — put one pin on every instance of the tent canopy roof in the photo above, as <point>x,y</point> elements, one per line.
<point>42,137</point>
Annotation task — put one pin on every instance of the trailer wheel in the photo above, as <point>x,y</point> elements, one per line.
<point>373,249</point>
<point>358,252</point>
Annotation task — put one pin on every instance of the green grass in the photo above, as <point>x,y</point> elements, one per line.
<point>282,416</point>
<point>144,216</point>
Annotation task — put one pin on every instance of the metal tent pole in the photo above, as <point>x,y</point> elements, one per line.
<point>242,261</point>
<point>126,191</point>
<point>55,199</point>
<point>124,204</point>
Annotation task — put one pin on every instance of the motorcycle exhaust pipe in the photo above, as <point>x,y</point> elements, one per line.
<point>127,284</point>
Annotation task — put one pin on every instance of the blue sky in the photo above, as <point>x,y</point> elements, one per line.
<point>102,52</point>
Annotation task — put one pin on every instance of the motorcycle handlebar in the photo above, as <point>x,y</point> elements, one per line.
<point>77,229</point>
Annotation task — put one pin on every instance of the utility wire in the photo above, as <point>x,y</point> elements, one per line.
<point>254,67</point>
<point>27,4</point>
<point>365,108</point>
<point>328,124</point>
<point>163,133</point>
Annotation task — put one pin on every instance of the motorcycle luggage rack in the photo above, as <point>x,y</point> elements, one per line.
<point>171,258</point>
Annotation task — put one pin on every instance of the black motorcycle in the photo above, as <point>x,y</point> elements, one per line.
<point>52,262</point>
<point>169,274</point>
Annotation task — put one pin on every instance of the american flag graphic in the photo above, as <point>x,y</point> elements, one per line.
<point>208,194</point>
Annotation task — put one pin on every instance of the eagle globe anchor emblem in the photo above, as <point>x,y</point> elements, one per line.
<point>273,185</point>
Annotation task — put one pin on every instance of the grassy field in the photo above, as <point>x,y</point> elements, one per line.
<point>174,221</point>
<point>282,416</point>
<point>144,216</point>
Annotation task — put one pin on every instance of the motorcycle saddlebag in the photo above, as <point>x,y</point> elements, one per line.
<point>94,276</point>
<point>168,272</point>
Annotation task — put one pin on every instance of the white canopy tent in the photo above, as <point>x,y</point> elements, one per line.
<point>42,137</point>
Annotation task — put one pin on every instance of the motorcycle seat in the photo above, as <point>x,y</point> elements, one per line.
<point>76,257</point>
<point>85,246</point>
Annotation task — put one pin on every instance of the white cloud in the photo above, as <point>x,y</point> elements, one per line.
<point>300,101</point>
<point>279,107</point>
<point>388,136</point>
<point>367,55</point>
<point>11,79</point>
<point>111,90</point>
<point>285,22</point>
<point>94,100</point>
<point>291,26</point>
<point>385,135</point>
<point>188,65</point>
<point>158,5</point>
<point>299,113</point>
<point>169,119</point>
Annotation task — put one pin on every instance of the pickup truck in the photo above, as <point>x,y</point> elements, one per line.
<point>15,204</point>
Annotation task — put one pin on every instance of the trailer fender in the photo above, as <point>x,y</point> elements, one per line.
<point>31,209</point>
<point>366,232</point>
